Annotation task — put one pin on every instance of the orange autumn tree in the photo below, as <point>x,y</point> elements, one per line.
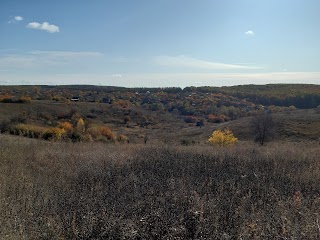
<point>222,137</point>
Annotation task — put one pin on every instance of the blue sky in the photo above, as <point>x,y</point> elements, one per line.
<point>162,43</point>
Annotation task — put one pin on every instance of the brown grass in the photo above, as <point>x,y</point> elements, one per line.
<point>298,125</point>
<point>52,190</point>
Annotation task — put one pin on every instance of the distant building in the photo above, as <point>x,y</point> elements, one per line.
<point>75,99</point>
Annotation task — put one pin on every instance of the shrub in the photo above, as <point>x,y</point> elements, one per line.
<point>292,107</point>
<point>123,138</point>
<point>91,115</point>
<point>24,100</point>
<point>101,131</point>
<point>94,132</point>
<point>217,119</point>
<point>5,97</point>
<point>77,136</point>
<point>222,137</point>
<point>28,130</point>
<point>8,100</point>
<point>54,133</point>
<point>107,132</point>
<point>210,118</point>
<point>81,125</point>
<point>34,131</point>
<point>57,98</point>
<point>121,103</point>
<point>190,119</point>
<point>66,126</point>
<point>5,126</point>
<point>187,142</point>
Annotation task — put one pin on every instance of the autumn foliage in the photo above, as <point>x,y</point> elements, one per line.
<point>67,131</point>
<point>222,137</point>
<point>101,132</point>
<point>66,126</point>
<point>33,131</point>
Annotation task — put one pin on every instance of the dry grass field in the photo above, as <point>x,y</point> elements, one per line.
<point>56,190</point>
<point>298,125</point>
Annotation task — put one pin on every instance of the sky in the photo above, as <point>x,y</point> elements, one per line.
<point>159,43</point>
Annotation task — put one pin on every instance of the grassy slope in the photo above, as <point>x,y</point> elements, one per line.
<point>298,125</point>
<point>165,127</point>
<point>98,191</point>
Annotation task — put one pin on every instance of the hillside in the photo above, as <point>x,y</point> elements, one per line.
<point>297,125</point>
<point>153,115</point>
<point>135,164</point>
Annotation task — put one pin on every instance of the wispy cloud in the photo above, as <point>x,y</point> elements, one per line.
<point>65,54</point>
<point>16,61</point>
<point>249,33</point>
<point>44,58</point>
<point>188,62</point>
<point>44,26</point>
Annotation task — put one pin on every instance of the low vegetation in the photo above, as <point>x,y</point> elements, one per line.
<point>98,191</point>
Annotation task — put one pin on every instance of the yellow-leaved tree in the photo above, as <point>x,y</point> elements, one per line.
<point>81,125</point>
<point>222,137</point>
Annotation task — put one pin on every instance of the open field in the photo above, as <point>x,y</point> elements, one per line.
<point>53,190</point>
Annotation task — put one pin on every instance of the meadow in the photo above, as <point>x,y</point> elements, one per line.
<point>94,190</point>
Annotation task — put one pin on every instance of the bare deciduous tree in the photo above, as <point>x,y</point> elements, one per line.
<point>262,126</point>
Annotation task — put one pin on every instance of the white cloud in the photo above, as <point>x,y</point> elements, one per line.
<point>43,26</point>
<point>187,62</point>
<point>18,18</point>
<point>249,32</point>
